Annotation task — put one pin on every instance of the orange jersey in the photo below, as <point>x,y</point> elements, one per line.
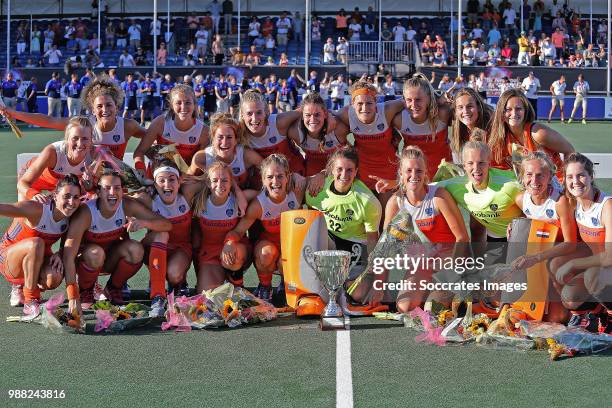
<point>215,222</point>
<point>590,223</point>
<point>434,145</point>
<point>105,231</point>
<point>238,167</point>
<point>530,146</point>
<point>375,149</point>
<point>47,228</point>
<point>187,142</point>
<point>428,218</point>
<point>114,140</point>
<point>317,154</point>
<point>273,142</point>
<point>179,215</point>
<point>271,215</point>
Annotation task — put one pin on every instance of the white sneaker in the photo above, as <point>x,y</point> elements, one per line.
<point>99,292</point>
<point>16,295</point>
<point>584,121</point>
<point>31,310</point>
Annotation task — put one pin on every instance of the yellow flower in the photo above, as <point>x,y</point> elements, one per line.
<point>230,309</point>
<point>445,316</point>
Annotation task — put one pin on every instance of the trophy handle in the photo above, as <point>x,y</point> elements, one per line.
<point>356,250</point>
<point>308,254</point>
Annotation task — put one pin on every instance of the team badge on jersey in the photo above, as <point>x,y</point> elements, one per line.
<point>350,212</point>
<point>272,139</point>
<point>192,139</point>
<point>527,212</point>
<point>493,207</point>
<point>118,222</point>
<point>595,221</point>
<point>63,227</point>
<point>380,126</point>
<point>82,169</point>
<point>291,204</point>
<point>116,138</point>
<point>429,211</point>
<point>235,170</point>
<point>182,208</point>
<point>329,143</point>
<point>229,212</point>
<point>549,213</point>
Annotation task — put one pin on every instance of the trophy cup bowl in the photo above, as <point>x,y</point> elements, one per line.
<point>332,268</point>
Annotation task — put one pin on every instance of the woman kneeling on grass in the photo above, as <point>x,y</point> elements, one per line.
<point>26,258</point>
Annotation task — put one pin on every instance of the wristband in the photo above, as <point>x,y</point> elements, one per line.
<point>139,165</point>
<point>72,290</point>
<point>31,193</point>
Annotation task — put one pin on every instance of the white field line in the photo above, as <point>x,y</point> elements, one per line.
<point>344,372</point>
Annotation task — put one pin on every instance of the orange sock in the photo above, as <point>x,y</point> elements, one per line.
<point>157,268</point>
<point>87,276</point>
<point>31,294</point>
<point>125,271</point>
<point>265,279</point>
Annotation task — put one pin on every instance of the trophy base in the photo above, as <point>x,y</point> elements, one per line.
<point>333,323</point>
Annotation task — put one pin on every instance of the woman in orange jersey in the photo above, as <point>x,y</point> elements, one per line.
<point>433,211</point>
<point>370,124</point>
<point>26,258</point>
<point>586,274</point>
<point>101,97</point>
<point>313,135</point>
<point>423,124</point>
<point>228,147</point>
<point>179,126</point>
<point>281,191</point>
<point>514,123</point>
<point>98,241</point>
<point>267,133</point>
<point>69,156</point>
<point>169,253</point>
<point>469,112</point>
<point>220,257</point>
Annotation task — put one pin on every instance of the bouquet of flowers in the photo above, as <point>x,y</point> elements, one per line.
<point>115,319</point>
<point>226,305</point>
<point>54,318</point>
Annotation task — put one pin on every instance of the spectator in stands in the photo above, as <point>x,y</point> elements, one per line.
<point>548,51</point>
<point>134,34</point>
<point>423,31</point>
<point>218,50</point>
<point>315,34</point>
<point>477,33</point>
<point>469,53</point>
<point>253,57</point>
<point>509,16</point>
<point>342,23</point>
<point>126,60</point>
<point>427,50</point>
<point>328,52</point>
<point>482,85</point>
<point>472,12</point>
<point>69,36</point>
<point>35,40</point>
<point>49,37</point>
<point>298,27</point>
<point>92,60</point>
<point>228,9</point>
<point>602,32</point>
<point>270,45</point>
<point>493,55</point>
<point>440,44</point>
<point>554,9</point>
<point>482,57</point>
<point>386,34</point>
<point>155,27</point>
<point>506,53</point>
<point>193,51</point>
<point>259,42</point>
<point>254,27</point>
<point>21,38</point>
<point>54,56</point>
<point>283,61</point>
<point>189,61</point>
<point>523,47</point>
<point>370,20</point>
<point>355,31</point>
<point>94,42</point>
<point>589,56</point>
<point>109,35</point>
<point>81,35</point>
<point>121,34</point>
<point>30,95</point>
<point>267,27</point>
<point>162,54</point>
<point>535,54</point>
<point>399,33</point>
<point>201,39</point>
<point>602,56</point>
<point>558,40</point>
<point>342,50</point>
<point>458,85</point>
<point>141,58</point>
<point>526,14</point>
<point>283,25</point>
<point>487,18</point>
<point>559,22</point>
<point>237,57</point>
<point>445,83</point>
<point>192,24</point>
<point>538,12</point>
<point>439,58</point>
<point>270,62</point>
<point>494,36</point>
<point>214,8</point>
<point>530,87</point>
<point>389,88</point>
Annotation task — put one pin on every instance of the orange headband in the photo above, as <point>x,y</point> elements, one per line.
<point>363,91</point>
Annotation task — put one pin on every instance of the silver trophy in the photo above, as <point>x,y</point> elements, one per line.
<point>332,268</point>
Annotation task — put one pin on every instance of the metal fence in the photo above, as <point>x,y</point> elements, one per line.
<point>386,52</point>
